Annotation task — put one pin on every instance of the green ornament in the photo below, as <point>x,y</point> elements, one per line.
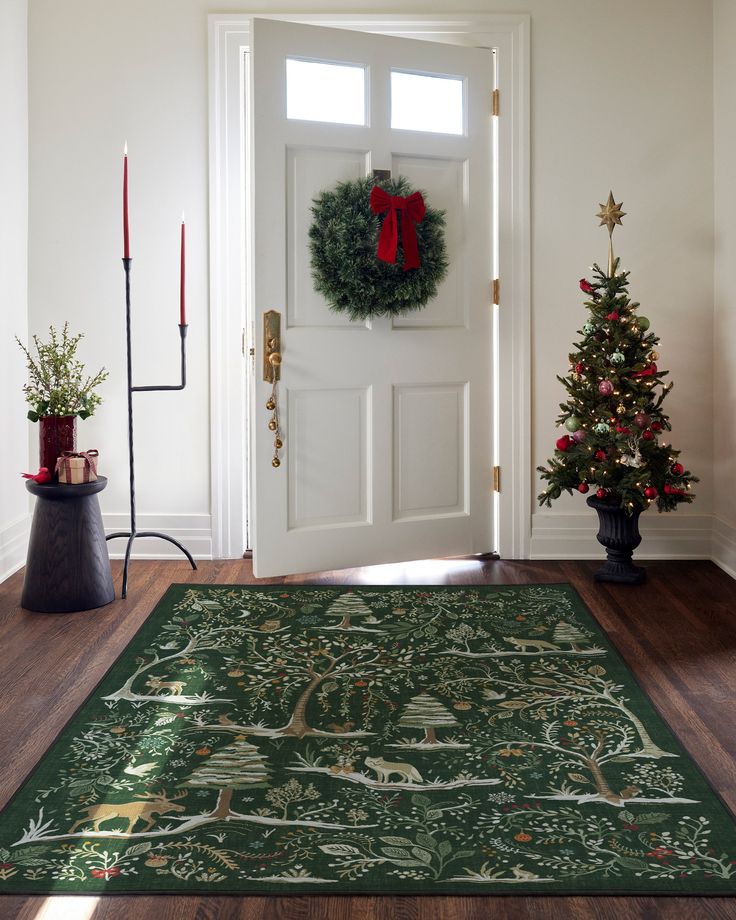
<point>617,358</point>
<point>643,323</point>
<point>588,328</point>
<point>343,239</point>
<point>572,423</point>
<point>602,428</point>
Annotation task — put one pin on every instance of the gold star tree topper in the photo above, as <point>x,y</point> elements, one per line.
<point>610,214</point>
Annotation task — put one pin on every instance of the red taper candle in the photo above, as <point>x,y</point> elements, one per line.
<point>126,232</point>
<point>182,299</point>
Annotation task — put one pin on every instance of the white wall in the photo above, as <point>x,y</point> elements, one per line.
<point>621,96</point>
<point>724,341</point>
<point>13,278</point>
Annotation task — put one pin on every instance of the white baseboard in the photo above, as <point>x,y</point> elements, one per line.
<point>191,530</point>
<point>13,546</point>
<point>724,545</point>
<point>571,535</point>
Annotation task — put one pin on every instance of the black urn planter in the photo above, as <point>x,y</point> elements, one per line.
<point>619,533</point>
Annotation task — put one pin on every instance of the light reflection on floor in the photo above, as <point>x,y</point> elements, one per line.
<point>67,907</point>
<point>422,571</point>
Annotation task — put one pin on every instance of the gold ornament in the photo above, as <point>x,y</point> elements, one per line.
<point>610,214</point>
<point>270,405</point>
<point>278,443</point>
<point>275,462</point>
<point>621,408</point>
<point>272,426</point>
<point>654,356</point>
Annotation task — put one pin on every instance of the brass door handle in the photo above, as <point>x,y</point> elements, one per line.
<point>272,374</point>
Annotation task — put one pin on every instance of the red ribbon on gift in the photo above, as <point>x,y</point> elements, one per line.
<point>90,462</point>
<point>412,212</point>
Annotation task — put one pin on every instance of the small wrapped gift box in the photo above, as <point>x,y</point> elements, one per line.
<point>73,468</point>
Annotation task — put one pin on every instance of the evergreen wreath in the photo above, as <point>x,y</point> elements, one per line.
<point>343,238</point>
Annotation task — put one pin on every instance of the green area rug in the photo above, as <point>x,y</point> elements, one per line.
<point>382,739</point>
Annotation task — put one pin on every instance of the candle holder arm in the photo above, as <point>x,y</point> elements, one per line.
<point>178,386</point>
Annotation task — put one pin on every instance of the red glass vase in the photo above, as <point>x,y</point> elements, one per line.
<point>55,434</point>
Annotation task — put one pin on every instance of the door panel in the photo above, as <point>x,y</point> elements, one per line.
<point>327,486</point>
<point>445,182</point>
<point>386,424</point>
<point>430,451</point>
<point>308,171</point>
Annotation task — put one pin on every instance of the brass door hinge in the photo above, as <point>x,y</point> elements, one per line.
<point>496,288</point>
<point>496,478</point>
<point>496,102</point>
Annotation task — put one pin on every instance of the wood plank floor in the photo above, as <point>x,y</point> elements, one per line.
<point>677,633</point>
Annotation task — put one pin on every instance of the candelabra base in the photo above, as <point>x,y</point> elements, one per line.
<point>144,533</point>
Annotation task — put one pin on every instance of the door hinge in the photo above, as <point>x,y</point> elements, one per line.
<point>496,102</point>
<point>496,478</point>
<point>496,290</point>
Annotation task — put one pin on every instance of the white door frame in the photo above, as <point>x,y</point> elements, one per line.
<point>229,40</point>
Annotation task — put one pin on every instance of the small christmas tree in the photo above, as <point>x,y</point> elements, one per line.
<point>346,606</point>
<point>427,713</point>
<point>613,414</point>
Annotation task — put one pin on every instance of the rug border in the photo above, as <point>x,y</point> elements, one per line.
<point>299,892</point>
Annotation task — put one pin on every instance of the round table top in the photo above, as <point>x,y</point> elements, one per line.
<point>61,491</point>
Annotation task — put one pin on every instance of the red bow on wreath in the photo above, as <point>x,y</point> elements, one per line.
<point>412,212</point>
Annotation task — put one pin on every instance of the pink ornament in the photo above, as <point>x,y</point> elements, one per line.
<point>579,436</point>
<point>605,388</point>
<point>642,420</point>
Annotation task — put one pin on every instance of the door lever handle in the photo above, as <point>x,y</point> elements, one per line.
<point>272,374</point>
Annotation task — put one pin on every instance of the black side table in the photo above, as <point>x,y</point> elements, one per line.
<point>67,567</point>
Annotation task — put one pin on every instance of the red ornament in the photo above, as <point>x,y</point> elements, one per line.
<point>656,426</point>
<point>412,212</point>
<point>647,372</point>
<point>600,493</point>
<point>622,429</point>
<point>564,443</point>
<point>579,368</point>
<point>612,316</point>
<point>650,492</point>
<point>677,469</point>
<point>600,455</point>
<point>583,487</point>
<point>647,435</point>
<point>642,420</point>
<point>586,287</point>
<point>671,490</point>
<point>605,388</point>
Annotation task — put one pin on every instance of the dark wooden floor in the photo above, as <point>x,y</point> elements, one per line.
<point>677,633</point>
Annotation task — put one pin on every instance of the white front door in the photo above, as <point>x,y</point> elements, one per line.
<point>387,424</point>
